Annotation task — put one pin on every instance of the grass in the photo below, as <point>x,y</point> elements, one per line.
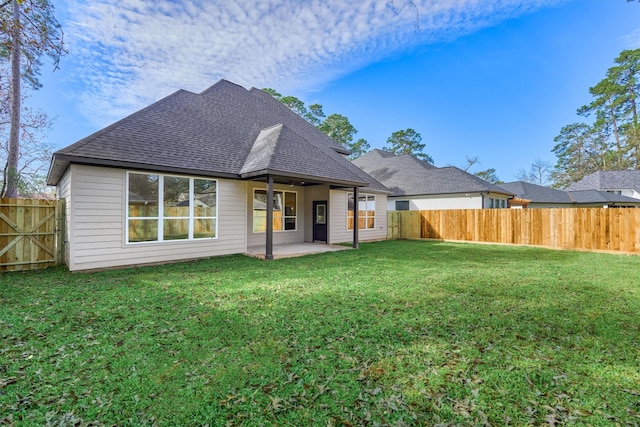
<point>396,333</point>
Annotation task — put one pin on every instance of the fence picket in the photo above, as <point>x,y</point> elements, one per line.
<point>614,229</point>
<point>27,234</point>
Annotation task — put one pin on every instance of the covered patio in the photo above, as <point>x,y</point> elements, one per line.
<point>292,250</point>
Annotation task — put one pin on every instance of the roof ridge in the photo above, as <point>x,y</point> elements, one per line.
<point>264,146</point>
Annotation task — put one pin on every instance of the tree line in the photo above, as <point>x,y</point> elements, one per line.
<point>611,141</point>
<point>339,128</point>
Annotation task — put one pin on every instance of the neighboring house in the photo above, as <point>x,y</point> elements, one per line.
<point>418,185</point>
<point>624,183</point>
<point>538,196</point>
<point>227,151</point>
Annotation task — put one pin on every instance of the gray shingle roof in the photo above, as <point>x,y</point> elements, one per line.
<point>540,194</point>
<point>595,196</point>
<point>406,175</point>
<point>609,180</point>
<point>536,193</point>
<point>225,131</point>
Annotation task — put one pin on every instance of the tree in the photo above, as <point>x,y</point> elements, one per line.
<point>470,161</point>
<point>359,148</point>
<point>407,141</point>
<point>539,173</point>
<point>336,126</point>
<point>572,156</point>
<point>489,175</point>
<point>29,31</point>
<point>612,140</point>
<point>34,155</point>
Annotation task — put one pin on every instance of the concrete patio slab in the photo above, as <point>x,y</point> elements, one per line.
<point>295,250</point>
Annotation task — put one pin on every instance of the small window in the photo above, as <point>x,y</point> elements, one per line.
<point>402,205</point>
<point>321,214</point>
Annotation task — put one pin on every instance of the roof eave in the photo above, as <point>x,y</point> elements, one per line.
<point>302,177</point>
<point>64,160</point>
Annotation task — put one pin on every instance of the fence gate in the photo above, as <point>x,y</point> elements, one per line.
<point>404,224</point>
<point>28,234</point>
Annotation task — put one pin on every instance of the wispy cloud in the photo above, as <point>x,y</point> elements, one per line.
<point>132,53</point>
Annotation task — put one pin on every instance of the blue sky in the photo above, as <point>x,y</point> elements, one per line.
<point>495,79</point>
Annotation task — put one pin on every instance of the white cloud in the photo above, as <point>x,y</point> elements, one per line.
<point>133,53</point>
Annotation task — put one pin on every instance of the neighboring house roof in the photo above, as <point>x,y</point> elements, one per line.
<point>540,194</point>
<point>225,131</point>
<point>406,175</point>
<point>609,180</point>
<point>595,196</point>
<point>536,193</point>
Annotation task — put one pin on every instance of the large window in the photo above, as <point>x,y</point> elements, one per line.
<point>366,212</point>
<point>284,210</point>
<point>166,208</point>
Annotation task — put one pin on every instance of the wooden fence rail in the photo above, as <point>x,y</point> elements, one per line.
<point>28,234</point>
<point>613,229</point>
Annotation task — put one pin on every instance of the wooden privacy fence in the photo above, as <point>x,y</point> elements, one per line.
<point>613,229</point>
<point>29,234</point>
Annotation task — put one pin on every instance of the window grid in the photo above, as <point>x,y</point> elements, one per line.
<point>157,232</point>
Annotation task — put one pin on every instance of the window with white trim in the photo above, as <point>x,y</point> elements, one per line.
<point>164,208</point>
<point>284,210</point>
<point>366,212</point>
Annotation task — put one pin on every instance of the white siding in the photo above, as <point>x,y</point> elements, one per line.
<point>279,237</point>
<point>446,201</point>
<point>338,232</point>
<point>98,221</point>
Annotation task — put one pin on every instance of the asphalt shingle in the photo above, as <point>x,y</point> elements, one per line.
<point>406,175</point>
<point>609,180</point>
<point>550,196</point>
<point>224,131</point>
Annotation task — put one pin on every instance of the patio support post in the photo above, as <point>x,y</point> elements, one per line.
<point>269,245</point>
<point>356,220</point>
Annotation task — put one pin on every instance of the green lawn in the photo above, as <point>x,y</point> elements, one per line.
<point>396,333</point>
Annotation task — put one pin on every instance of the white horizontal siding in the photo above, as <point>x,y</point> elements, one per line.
<point>453,201</point>
<point>339,233</point>
<point>98,221</point>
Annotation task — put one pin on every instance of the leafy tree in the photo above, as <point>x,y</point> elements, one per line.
<point>612,140</point>
<point>336,126</point>
<point>407,141</point>
<point>572,156</point>
<point>359,148</point>
<point>339,128</point>
<point>28,31</point>
<point>489,175</point>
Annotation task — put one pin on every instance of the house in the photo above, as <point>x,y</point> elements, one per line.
<point>624,182</point>
<point>538,196</point>
<point>418,185</point>
<point>254,173</point>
